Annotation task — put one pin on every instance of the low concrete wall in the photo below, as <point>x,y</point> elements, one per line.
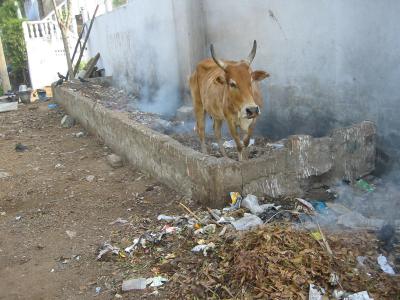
<point>347,153</point>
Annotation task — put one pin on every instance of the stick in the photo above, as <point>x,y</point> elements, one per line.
<point>76,45</point>
<point>85,41</point>
<point>189,211</point>
<point>328,248</point>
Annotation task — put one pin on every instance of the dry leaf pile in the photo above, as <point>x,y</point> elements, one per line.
<point>279,262</point>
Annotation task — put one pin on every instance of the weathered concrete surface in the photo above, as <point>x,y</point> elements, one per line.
<point>346,154</point>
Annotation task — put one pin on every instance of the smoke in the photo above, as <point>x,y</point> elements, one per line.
<point>150,70</point>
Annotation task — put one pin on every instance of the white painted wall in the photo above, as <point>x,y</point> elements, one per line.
<point>148,49</point>
<point>332,63</point>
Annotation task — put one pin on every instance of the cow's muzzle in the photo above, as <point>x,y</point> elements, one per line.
<point>252,112</point>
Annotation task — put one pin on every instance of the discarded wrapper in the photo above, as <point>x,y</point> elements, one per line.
<point>204,248</point>
<point>359,296</point>
<point>118,221</point>
<point>315,292</point>
<point>107,248</point>
<point>385,266</point>
<point>248,221</point>
<point>251,203</point>
<point>307,205</point>
<point>156,281</point>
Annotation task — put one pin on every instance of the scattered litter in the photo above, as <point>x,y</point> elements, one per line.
<point>106,248</point>
<point>208,229</point>
<point>52,270</point>
<point>18,218</point>
<point>58,166</point>
<point>251,203</point>
<point>236,200</point>
<point>232,144</point>
<point>365,186</point>
<point>90,178</point>
<point>359,296</point>
<point>118,296</point>
<point>3,213</point>
<point>4,175</point>
<point>114,160</point>
<point>166,218</point>
<point>118,221</point>
<point>79,134</point>
<point>307,205</point>
<point>361,260</point>
<point>385,266</point>
<point>333,279</point>
<point>276,145</point>
<point>156,281</point>
<point>204,248</point>
<point>134,284</point>
<point>52,105</point>
<point>319,206</point>
<point>316,235</point>
<point>20,147</point>
<point>98,290</point>
<point>248,221</point>
<point>315,292</point>
<point>67,121</point>
<point>71,234</point>
<point>170,229</point>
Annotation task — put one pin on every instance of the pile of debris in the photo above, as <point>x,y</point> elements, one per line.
<point>253,250</point>
<point>277,261</point>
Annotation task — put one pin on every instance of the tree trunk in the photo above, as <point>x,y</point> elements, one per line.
<point>64,34</point>
<point>4,80</point>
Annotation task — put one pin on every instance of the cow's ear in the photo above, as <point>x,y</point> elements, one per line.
<point>220,80</point>
<point>259,75</point>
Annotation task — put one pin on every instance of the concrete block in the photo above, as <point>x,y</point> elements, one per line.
<point>282,171</point>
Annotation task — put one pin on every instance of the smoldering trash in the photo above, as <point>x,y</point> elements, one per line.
<point>281,250</point>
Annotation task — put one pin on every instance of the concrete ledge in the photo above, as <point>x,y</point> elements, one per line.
<point>347,153</point>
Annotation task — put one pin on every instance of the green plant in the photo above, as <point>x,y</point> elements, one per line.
<point>117,3</point>
<point>13,39</point>
<point>1,91</point>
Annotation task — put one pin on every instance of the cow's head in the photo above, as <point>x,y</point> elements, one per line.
<point>240,82</point>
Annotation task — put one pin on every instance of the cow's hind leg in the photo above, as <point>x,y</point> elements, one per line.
<point>200,128</point>
<point>217,132</point>
<point>199,112</point>
<point>236,138</point>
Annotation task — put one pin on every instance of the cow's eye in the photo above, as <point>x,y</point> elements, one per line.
<point>232,84</point>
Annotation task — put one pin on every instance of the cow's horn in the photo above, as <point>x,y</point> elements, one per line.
<point>252,53</point>
<point>217,61</point>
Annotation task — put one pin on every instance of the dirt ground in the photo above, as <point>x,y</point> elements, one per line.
<point>59,198</point>
<point>47,193</point>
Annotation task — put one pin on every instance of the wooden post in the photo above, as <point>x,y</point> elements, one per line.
<point>5,81</point>
<point>85,41</point>
<point>91,65</point>
<point>64,28</point>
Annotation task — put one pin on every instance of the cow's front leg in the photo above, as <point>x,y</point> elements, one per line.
<point>217,132</point>
<point>236,138</point>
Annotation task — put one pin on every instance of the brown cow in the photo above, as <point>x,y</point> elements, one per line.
<point>227,90</point>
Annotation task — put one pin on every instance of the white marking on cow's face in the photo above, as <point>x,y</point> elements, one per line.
<point>245,123</point>
<point>233,84</point>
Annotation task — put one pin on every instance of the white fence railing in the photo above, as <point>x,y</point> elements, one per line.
<point>45,49</point>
